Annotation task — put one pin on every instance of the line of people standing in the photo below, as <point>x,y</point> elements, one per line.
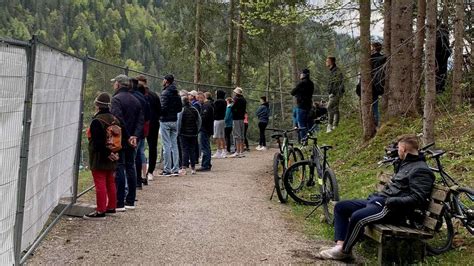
<point>186,122</point>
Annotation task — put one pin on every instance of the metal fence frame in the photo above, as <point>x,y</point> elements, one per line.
<point>30,47</point>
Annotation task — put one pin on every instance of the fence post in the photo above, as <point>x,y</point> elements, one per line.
<point>77,159</point>
<point>25,142</point>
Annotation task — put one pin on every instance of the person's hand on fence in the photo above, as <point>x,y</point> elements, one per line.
<point>132,141</point>
<point>114,156</point>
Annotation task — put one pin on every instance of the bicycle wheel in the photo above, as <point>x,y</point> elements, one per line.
<point>295,155</point>
<point>278,170</point>
<point>298,154</point>
<point>443,236</point>
<point>295,176</point>
<point>331,193</point>
<point>465,201</point>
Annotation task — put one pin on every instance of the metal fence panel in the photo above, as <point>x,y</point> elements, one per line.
<point>53,137</point>
<point>13,72</point>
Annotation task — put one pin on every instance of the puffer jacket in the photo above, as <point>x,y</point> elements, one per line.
<point>410,188</point>
<point>170,104</point>
<point>263,113</point>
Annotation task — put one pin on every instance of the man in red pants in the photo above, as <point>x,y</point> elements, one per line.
<point>102,161</point>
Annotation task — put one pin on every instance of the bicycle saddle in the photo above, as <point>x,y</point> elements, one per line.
<point>326,147</point>
<point>276,135</point>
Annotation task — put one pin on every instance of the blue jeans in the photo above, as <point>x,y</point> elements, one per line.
<point>169,138</point>
<point>126,174</point>
<point>205,145</point>
<point>375,110</point>
<point>303,122</point>
<point>139,160</point>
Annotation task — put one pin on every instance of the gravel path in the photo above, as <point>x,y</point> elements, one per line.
<point>217,217</point>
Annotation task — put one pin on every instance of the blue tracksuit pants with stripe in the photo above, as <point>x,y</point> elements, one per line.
<point>351,216</point>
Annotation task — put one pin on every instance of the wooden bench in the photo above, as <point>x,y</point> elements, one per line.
<point>401,244</point>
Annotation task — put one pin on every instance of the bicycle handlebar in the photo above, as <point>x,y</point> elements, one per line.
<point>285,131</point>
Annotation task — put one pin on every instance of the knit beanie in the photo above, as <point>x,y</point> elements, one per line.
<point>103,100</point>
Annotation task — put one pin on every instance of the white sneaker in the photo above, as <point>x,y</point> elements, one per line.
<point>258,147</point>
<point>329,130</point>
<point>234,155</point>
<point>263,148</point>
<point>120,209</point>
<point>129,207</point>
<point>224,154</point>
<point>217,154</point>
<point>334,253</point>
<point>182,171</point>
<point>241,155</point>
<point>193,172</point>
<point>149,176</point>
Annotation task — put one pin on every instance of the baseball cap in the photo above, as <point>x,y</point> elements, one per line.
<point>122,79</point>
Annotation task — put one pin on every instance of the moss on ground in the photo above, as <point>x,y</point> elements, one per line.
<point>355,164</point>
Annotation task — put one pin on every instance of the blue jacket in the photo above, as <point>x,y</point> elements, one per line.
<point>128,110</point>
<point>170,104</point>
<point>228,116</point>
<point>263,113</point>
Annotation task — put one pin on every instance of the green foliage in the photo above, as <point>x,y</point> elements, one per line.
<point>355,165</point>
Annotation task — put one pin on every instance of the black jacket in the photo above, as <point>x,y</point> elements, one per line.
<point>129,112</point>
<point>410,188</point>
<point>170,104</point>
<point>189,121</point>
<point>239,107</point>
<point>336,82</point>
<point>145,107</point>
<point>304,94</point>
<point>207,117</point>
<point>155,107</point>
<point>220,106</point>
<point>377,73</point>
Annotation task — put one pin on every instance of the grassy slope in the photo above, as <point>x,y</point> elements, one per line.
<point>355,165</point>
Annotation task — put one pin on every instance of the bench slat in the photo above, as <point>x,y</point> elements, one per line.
<point>430,223</point>
<point>435,208</point>
<point>439,193</point>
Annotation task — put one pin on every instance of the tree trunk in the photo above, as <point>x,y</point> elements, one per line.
<point>238,52</point>
<point>401,49</point>
<point>197,45</point>
<point>387,33</point>
<point>280,81</point>
<point>418,57</point>
<point>445,13</point>
<point>294,63</point>
<point>458,54</point>
<point>368,122</point>
<point>230,43</point>
<point>430,73</point>
<point>269,72</point>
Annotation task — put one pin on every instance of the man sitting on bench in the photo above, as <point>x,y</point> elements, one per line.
<point>409,189</point>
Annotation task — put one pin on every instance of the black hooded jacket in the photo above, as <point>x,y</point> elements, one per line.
<point>410,188</point>
<point>220,106</point>
<point>128,110</point>
<point>304,94</point>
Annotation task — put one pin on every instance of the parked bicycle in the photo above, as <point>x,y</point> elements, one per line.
<point>285,157</point>
<point>312,182</point>
<point>458,205</point>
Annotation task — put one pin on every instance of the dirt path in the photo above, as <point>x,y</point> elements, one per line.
<point>223,216</point>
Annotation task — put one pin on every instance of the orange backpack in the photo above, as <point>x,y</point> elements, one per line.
<point>113,136</point>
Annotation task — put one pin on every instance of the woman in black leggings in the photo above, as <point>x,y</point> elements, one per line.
<point>263,114</point>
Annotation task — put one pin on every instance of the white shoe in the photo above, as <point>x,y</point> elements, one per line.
<point>193,172</point>
<point>329,130</point>
<point>234,155</point>
<point>217,154</point>
<point>224,154</point>
<point>120,209</point>
<point>334,253</point>
<point>129,207</point>
<point>264,148</point>
<point>241,155</point>
<point>149,176</point>
<point>182,172</point>
<point>258,147</point>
